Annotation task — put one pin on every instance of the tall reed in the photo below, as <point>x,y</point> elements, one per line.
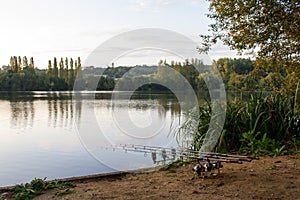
<point>259,122</point>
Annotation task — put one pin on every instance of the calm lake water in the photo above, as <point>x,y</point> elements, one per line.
<point>49,134</point>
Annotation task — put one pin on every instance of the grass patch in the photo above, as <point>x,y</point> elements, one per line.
<point>39,186</point>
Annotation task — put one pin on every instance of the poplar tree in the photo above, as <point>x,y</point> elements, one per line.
<point>19,64</point>
<point>25,61</point>
<point>71,74</point>
<point>66,70</point>
<point>55,69</point>
<point>31,62</point>
<point>12,63</point>
<point>76,67</point>
<point>15,64</point>
<point>49,70</point>
<point>61,69</point>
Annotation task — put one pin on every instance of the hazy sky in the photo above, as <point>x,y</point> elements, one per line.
<point>44,29</point>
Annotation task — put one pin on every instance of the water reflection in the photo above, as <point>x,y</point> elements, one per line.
<point>49,146</point>
<point>61,108</point>
<point>22,114</point>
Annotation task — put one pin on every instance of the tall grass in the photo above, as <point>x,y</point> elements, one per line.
<point>195,127</point>
<point>259,125</point>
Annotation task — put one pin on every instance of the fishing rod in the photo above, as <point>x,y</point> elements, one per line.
<point>149,149</point>
<point>146,147</point>
<point>215,159</point>
<point>217,156</point>
<point>182,152</point>
<point>208,162</point>
<point>169,153</point>
<point>225,155</point>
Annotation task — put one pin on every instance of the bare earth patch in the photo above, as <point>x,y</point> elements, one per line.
<point>267,178</point>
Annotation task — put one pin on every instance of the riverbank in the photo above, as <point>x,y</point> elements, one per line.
<point>267,178</point>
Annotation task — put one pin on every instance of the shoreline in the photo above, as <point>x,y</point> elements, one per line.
<point>91,177</point>
<point>266,178</point>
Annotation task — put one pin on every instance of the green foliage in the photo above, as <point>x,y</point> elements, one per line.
<point>227,66</point>
<point>258,125</point>
<point>38,186</point>
<point>29,79</point>
<point>264,146</point>
<point>271,28</point>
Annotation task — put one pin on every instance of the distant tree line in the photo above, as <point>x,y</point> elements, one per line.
<point>237,74</point>
<point>167,74</point>
<point>249,75</point>
<point>60,75</point>
<point>22,75</point>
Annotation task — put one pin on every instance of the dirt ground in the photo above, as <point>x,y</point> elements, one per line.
<point>267,178</point>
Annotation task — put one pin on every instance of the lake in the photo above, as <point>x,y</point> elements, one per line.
<point>54,135</point>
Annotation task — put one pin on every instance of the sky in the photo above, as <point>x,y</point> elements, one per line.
<point>72,28</point>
